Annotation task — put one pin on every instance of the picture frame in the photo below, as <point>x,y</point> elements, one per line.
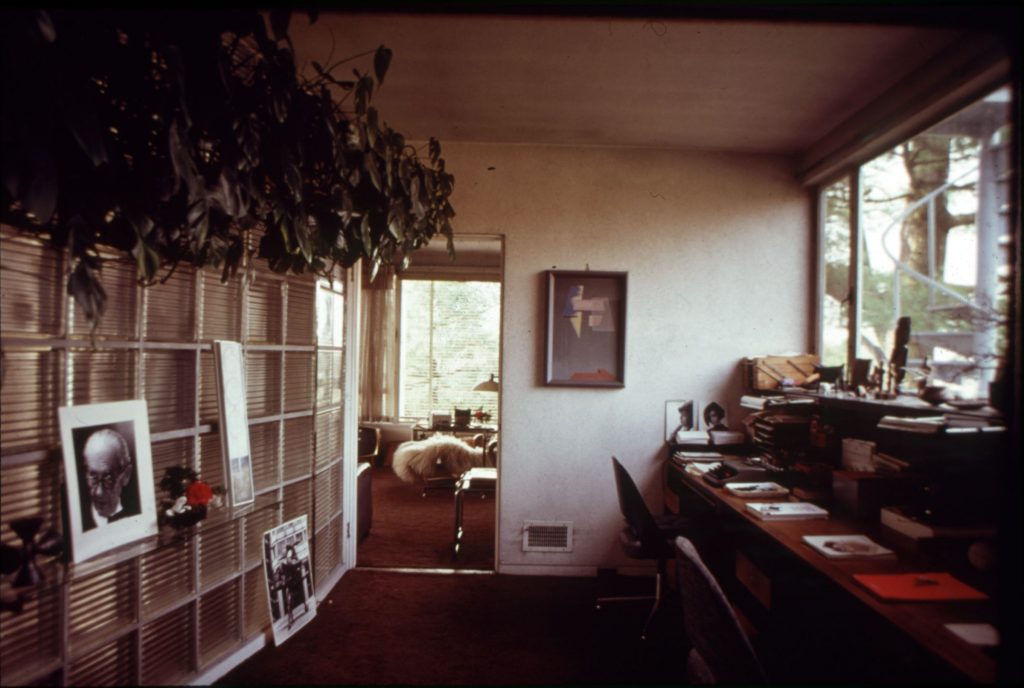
<point>288,573</point>
<point>585,339</point>
<point>108,471</point>
<point>229,365</point>
<point>680,416</point>
<point>713,416</point>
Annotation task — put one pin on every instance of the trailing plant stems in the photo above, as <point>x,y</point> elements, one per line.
<point>170,137</point>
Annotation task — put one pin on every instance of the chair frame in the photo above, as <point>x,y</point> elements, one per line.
<point>647,534</point>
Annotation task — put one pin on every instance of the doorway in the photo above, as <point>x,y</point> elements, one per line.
<point>440,330</point>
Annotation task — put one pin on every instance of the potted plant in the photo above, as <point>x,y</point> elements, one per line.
<point>168,135</point>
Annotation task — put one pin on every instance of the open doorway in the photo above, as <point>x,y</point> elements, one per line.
<point>430,390</point>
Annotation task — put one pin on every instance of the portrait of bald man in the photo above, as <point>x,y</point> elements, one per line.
<point>106,468</point>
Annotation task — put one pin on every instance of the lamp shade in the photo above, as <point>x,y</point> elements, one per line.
<point>490,385</point>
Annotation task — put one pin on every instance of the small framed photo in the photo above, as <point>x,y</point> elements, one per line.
<point>108,470</point>
<point>680,417</point>
<point>712,416</point>
<point>289,576</point>
<point>234,420</point>
<point>586,329</point>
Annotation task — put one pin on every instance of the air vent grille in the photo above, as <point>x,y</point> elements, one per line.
<point>547,536</point>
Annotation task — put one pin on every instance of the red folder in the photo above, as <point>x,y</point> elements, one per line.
<point>918,586</point>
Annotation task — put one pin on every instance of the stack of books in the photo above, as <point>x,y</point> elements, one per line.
<point>777,434</point>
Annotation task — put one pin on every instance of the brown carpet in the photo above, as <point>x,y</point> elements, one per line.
<point>384,627</point>
<point>414,531</point>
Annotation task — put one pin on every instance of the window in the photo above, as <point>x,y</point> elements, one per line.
<point>931,231</point>
<point>448,344</point>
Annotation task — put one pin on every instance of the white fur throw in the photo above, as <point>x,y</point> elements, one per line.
<point>416,460</point>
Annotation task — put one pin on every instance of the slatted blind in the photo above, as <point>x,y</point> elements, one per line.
<point>165,610</point>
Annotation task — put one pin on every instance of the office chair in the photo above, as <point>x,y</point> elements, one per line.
<point>721,651</point>
<point>643,537</point>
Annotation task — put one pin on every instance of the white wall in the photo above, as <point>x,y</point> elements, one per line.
<point>719,252</point>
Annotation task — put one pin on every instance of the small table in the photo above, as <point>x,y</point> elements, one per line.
<point>481,480</point>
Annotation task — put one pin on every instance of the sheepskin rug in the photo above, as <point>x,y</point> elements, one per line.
<point>416,460</point>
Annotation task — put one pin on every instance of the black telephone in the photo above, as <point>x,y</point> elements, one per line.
<point>736,470</point>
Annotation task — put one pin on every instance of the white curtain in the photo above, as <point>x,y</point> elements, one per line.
<point>378,398</point>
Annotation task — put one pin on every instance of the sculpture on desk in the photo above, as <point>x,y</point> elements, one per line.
<point>419,459</point>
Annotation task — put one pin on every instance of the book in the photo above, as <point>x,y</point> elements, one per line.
<point>918,586</point>
<point>747,490</point>
<point>782,511</point>
<point>846,546</point>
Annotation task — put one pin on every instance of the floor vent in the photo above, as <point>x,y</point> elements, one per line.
<point>547,536</point>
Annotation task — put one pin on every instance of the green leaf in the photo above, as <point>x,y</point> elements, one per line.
<point>381,62</point>
<point>147,260</point>
<point>88,293</point>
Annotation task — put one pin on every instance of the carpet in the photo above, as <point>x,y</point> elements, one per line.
<point>414,531</point>
<point>386,627</point>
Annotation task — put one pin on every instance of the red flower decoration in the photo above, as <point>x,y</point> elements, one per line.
<point>199,494</point>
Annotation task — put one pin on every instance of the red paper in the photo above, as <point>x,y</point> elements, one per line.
<point>918,586</point>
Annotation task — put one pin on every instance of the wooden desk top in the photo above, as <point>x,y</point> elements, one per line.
<point>923,621</point>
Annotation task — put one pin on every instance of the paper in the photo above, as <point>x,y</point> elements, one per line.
<point>765,489</point>
<point>982,634</point>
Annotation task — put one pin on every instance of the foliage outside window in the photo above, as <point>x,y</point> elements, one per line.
<point>448,345</point>
<point>934,246</point>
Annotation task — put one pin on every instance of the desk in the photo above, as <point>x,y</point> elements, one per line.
<point>921,622</point>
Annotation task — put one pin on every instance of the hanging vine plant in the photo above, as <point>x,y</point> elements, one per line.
<point>167,135</point>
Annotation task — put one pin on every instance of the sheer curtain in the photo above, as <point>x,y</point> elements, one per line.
<point>378,346</point>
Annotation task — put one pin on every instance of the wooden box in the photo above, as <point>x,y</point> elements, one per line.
<point>773,372</point>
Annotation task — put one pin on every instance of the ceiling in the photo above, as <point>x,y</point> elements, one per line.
<point>706,84</point>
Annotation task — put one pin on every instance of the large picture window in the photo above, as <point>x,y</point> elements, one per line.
<point>930,232</point>
<point>449,333</point>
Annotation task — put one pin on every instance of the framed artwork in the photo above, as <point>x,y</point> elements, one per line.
<point>234,420</point>
<point>712,416</point>
<point>680,417</point>
<point>586,329</point>
<point>108,470</point>
<point>289,575</point>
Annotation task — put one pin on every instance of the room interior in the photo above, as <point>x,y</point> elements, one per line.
<point>687,146</point>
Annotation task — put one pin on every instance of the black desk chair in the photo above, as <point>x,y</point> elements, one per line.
<point>721,651</point>
<point>643,537</point>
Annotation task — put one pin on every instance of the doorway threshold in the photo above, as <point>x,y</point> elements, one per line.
<point>404,569</point>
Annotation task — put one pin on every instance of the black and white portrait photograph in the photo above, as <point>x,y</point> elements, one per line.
<point>712,416</point>
<point>289,574</point>
<point>109,475</point>
<point>680,417</point>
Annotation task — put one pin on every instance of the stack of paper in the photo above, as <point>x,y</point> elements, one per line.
<point>782,511</point>
<point>767,489</point>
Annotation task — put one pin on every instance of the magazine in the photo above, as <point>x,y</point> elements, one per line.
<point>746,490</point>
<point>780,511</point>
<point>846,546</point>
